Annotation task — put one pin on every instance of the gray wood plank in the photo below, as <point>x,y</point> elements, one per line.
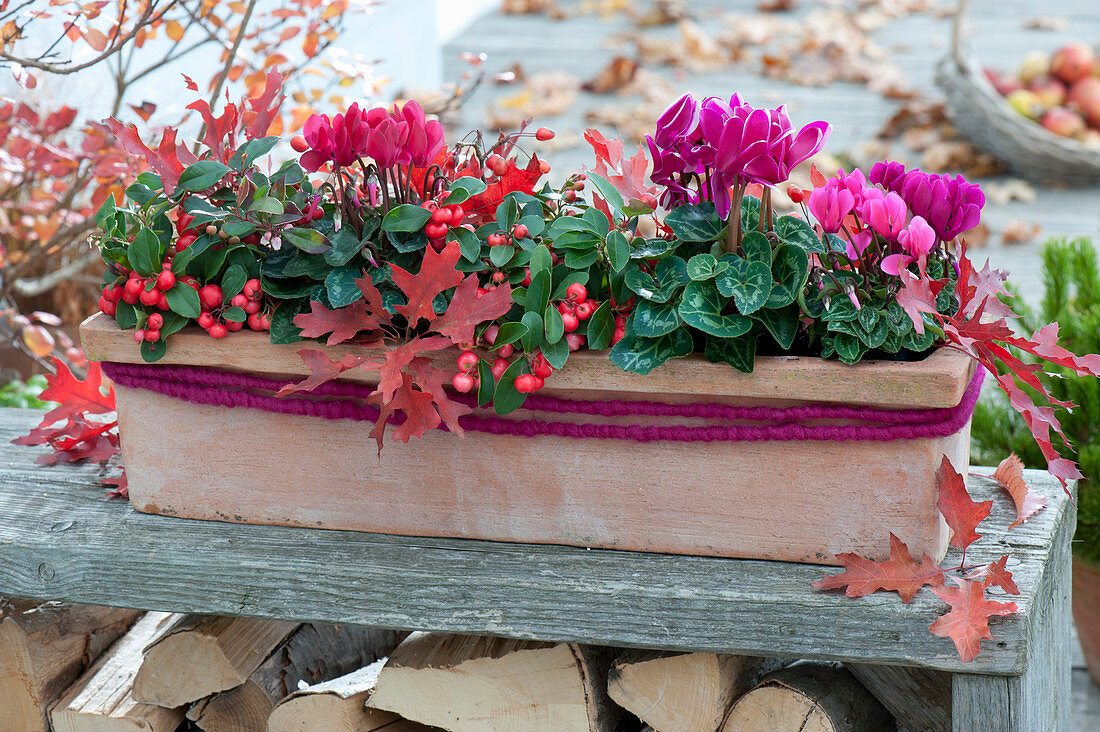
<point>60,539</point>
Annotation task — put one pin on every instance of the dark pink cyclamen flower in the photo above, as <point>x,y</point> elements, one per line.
<point>677,123</point>
<point>387,137</point>
<point>886,213</point>
<point>321,140</point>
<point>949,205</point>
<point>917,240</point>
<point>668,166</point>
<point>785,148</point>
<point>424,138</point>
<point>831,204</point>
<point>889,174</point>
<point>340,140</point>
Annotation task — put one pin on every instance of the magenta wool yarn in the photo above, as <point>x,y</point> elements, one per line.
<point>345,400</point>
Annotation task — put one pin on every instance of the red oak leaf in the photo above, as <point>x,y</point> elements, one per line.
<point>437,273</point>
<point>995,574</point>
<point>899,574</point>
<point>1010,474</point>
<point>963,514</point>
<point>265,108</point>
<point>968,622</point>
<point>121,485</point>
<point>981,289</point>
<point>219,130</point>
<point>916,297</point>
<point>420,414</point>
<point>1044,344</point>
<point>432,380</point>
<point>373,299</point>
<point>627,175</point>
<point>483,206</point>
<point>74,397</point>
<point>321,370</point>
<point>343,323</point>
<point>165,159</point>
<point>466,310</point>
<point>393,364</point>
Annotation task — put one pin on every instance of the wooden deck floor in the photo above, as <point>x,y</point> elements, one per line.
<point>584,42</point>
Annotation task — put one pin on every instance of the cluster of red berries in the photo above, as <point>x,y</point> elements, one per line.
<point>149,291</point>
<point>212,319</point>
<point>573,187</point>
<point>576,306</point>
<point>443,218</point>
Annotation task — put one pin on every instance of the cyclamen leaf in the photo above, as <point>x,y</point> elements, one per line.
<point>437,274</point>
<point>900,573</point>
<point>962,513</point>
<point>968,622</point>
<point>1010,475</point>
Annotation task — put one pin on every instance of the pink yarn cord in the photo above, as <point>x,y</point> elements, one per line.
<point>344,400</point>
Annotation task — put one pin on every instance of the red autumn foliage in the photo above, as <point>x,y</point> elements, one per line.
<point>967,624</point>
<point>901,573</point>
<point>1010,475</point>
<point>962,513</point>
<point>410,389</point>
<point>995,574</point>
<point>629,176</point>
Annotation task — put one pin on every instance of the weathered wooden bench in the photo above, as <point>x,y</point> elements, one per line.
<point>61,539</point>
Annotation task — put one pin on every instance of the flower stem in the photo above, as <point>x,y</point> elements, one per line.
<point>733,237</point>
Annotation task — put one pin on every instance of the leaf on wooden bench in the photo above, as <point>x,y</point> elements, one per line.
<point>1010,475</point>
<point>899,574</point>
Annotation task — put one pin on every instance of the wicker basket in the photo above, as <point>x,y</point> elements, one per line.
<point>983,117</point>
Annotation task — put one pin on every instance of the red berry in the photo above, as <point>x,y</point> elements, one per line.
<point>217,330</point>
<point>525,383</point>
<point>150,297</point>
<point>467,360</point>
<point>438,245</point>
<point>255,322</point>
<point>497,164</point>
<point>457,212</point>
<point>233,326</point>
<point>566,307</point>
<point>252,288</point>
<point>490,334</point>
<point>239,301</point>
<point>618,335</point>
<point>183,222</point>
<point>499,277</point>
<point>442,215</point>
<point>462,382</point>
<point>544,167</point>
<point>506,350</point>
<point>526,277</point>
<point>435,230</point>
<point>576,292</point>
<point>107,306</point>
<point>796,194</point>
<point>166,280</point>
<point>583,310</point>
<point>210,297</point>
<point>206,320</point>
<point>133,286</point>
<point>570,196</point>
<point>543,134</point>
<point>152,335</point>
<point>139,335</point>
<point>519,231</point>
<point>537,382</point>
<point>156,320</point>
<point>499,367</point>
<point>494,240</point>
<point>570,321</point>
<point>481,292</point>
<point>541,367</point>
<point>575,341</point>
<point>299,144</point>
<point>252,306</point>
<point>265,321</point>
<point>113,292</point>
<point>131,298</point>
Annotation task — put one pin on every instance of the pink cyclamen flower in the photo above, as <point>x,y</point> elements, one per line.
<point>387,137</point>
<point>830,204</point>
<point>949,205</point>
<point>424,137</point>
<point>678,122</point>
<point>917,240</point>
<point>889,174</point>
<point>340,140</point>
<point>786,149</point>
<point>884,212</point>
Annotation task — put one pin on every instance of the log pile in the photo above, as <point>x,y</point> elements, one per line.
<point>100,670</point>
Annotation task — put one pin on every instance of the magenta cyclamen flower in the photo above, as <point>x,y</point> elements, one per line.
<point>831,203</point>
<point>884,212</point>
<point>677,123</point>
<point>341,140</point>
<point>949,205</point>
<point>785,148</point>
<point>889,174</point>
<point>424,137</point>
<point>917,239</point>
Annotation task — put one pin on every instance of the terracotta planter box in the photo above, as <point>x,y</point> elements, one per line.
<point>793,501</point>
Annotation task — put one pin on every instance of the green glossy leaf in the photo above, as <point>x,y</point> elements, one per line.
<point>535,225</point>
<point>507,213</point>
<point>462,189</point>
<point>668,277</point>
<point>154,351</point>
<point>705,267</point>
<point>341,288</point>
<point>652,248</point>
<point>251,151</point>
<point>541,260</point>
<point>755,247</point>
<point>618,250</point>
<point>581,260</point>
<point>739,353</point>
<point>283,329</point>
<point>406,218</point>
<point>695,222</point>
<point>509,333</point>
<point>267,205</point>
<point>309,241</point>
<point>553,325</point>
<point>235,314</point>
<point>538,294</point>
<point>601,326</point>
<point>201,175</point>
<point>789,272</point>
<point>183,299</point>
<point>345,245</point>
<point>597,220</point>
<point>506,399</point>
<point>500,255</point>
<point>701,308</point>
<point>748,283</point>
<point>750,213</point>
<point>468,243</point>
<point>848,348</point>
<point>556,354</point>
<point>641,355</point>
<point>126,315</point>
<point>655,319</point>
<point>145,253</point>
<point>487,384</point>
<point>796,231</point>
<point>607,191</point>
<point>533,336</point>
<point>782,323</point>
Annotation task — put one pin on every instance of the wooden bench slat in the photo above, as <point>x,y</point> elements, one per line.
<point>60,539</point>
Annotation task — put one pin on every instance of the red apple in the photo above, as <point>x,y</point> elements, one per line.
<point>1003,83</point>
<point>1064,122</point>
<point>1084,96</point>
<point>1051,92</point>
<point>1072,62</point>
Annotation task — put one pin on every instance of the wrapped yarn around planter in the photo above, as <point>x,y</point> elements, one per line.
<point>983,117</point>
<point>728,455</point>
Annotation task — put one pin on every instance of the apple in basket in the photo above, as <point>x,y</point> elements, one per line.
<point>1065,122</point>
<point>1072,62</point>
<point>1084,96</point>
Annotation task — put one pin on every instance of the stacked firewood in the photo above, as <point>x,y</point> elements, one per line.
<point>93,669</point>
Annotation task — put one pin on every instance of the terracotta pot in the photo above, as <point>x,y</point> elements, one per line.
<point>793,501</point>
<point>1086,612</point>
